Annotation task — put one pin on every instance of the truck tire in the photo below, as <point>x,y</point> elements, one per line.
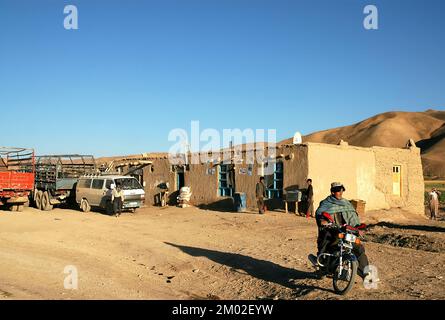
<point>84,205</point>
<point>38,199</point>
<point>46,205</point>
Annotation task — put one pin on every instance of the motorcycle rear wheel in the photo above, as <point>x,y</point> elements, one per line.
<point>343,282</point>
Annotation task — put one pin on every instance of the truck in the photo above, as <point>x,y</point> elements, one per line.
<point>17,167</point>
<point>56,178</point>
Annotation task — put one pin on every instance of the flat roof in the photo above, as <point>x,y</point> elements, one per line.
<point>105,176</point>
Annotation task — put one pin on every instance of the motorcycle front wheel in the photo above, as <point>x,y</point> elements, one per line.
<point>343,282</point>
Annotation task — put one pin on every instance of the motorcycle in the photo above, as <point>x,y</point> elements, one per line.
<point>339,260</point>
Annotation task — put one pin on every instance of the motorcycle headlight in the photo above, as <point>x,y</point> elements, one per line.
<point>350,237</point>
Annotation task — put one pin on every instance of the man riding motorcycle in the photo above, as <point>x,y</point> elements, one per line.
<point>334,210</point>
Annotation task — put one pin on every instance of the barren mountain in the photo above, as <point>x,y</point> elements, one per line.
<point>393,129</point>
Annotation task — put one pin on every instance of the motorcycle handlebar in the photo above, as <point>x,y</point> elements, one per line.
<point>345,227</point>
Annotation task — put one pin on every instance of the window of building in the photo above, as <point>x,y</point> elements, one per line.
<point>225,181</point>
<point>274,182</point>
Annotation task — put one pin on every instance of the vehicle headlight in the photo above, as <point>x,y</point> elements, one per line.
<point>350,237</point>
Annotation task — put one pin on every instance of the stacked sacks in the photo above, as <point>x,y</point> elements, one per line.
<point>184,197</point>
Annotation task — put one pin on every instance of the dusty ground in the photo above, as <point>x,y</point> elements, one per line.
<point>173,253</point>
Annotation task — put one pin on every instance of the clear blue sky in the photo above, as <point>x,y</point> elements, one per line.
<point>134,70</point>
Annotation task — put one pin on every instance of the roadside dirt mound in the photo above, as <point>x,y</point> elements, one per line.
<point>413,241</point>
<point>399,228</point>
<point>414,234</point>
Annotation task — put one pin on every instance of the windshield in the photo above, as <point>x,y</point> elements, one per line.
<point>129,183</point>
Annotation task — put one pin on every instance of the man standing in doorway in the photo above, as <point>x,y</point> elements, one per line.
<point>260,194</point>
<point>434,203</point>
<point>309,199</point>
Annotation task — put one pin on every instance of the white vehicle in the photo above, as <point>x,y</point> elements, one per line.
<point>95,191</point>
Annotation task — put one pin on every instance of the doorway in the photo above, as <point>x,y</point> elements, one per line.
<point>180,179</point>
<point>396,180</point>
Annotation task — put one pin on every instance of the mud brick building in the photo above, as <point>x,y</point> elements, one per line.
<point>383,177</point>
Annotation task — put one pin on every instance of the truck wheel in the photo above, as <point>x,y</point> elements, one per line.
<point>46,205</point>
<point>84,205</point>
<point>12,207</point>
<point>38,199</point>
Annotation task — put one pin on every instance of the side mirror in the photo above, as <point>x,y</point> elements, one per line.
<point>362,226</point>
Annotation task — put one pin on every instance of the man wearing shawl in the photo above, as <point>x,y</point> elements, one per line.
<point>434,196</point>
<point>342,212</point>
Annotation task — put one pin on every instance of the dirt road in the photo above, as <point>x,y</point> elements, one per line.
<point>173,253</point>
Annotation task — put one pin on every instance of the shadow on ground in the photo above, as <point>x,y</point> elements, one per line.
<point>224,205</point>
<point>408,227</point>
<point>260,269</point>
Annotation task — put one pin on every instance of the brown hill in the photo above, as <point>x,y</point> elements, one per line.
<point>393,129</point>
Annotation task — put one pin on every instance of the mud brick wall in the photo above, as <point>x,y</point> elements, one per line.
<point>156,173</point>
<point>367,174</point>
<point>412,184</point>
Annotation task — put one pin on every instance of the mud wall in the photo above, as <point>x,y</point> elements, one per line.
<point>204,185</point>
<point>156,173</point>
<point>247,183</point>
<point>367,174</point>
<point>294,159</point>
<point>295,170</point>
<point>353,166</point>
<point>204,182</point>
<point>412,184</point>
